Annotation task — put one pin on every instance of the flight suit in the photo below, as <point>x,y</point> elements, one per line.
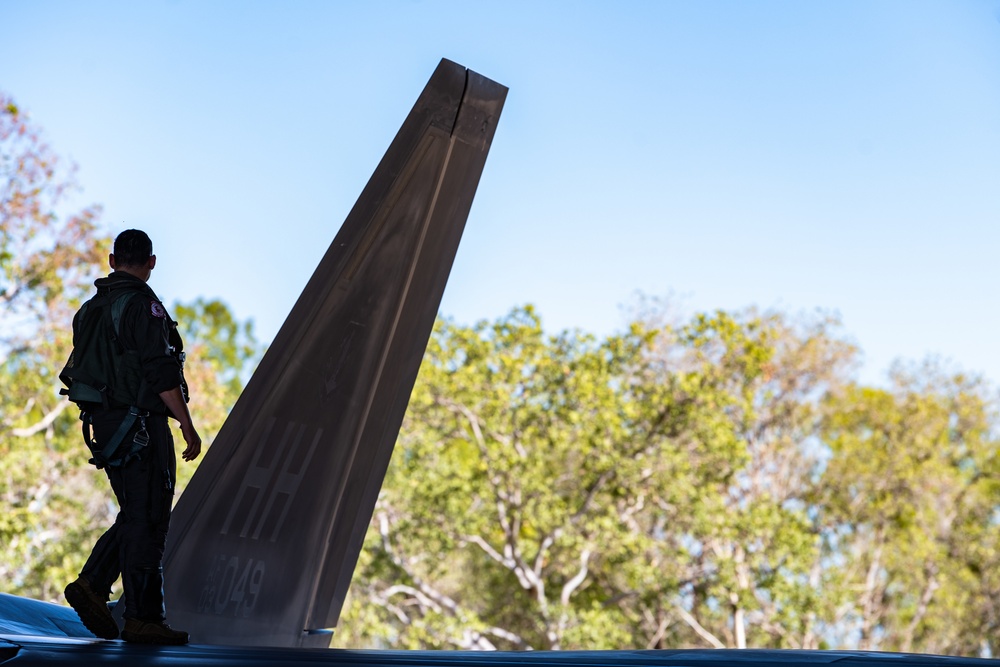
<point>144,485</point>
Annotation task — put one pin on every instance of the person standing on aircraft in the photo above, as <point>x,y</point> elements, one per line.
<point>126,374</point>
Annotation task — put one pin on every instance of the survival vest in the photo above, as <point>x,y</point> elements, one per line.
<point>101,373</point>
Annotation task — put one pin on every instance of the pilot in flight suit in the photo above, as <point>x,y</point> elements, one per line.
<point>127,347</point>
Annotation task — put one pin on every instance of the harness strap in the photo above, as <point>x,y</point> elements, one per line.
<point>103,457</point>
<point>116,439</point>
<point>118,308</point>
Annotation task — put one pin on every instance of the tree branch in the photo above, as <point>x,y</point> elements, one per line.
<point>42,424</point>
<point>697,627</point>
<point>578,579</point>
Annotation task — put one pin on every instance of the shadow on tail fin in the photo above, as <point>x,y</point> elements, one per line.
<point>264,540</point>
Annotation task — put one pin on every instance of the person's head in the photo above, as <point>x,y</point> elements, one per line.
<point>133,253</point>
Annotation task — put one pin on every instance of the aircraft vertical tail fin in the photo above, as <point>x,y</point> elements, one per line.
<point>265,538</point>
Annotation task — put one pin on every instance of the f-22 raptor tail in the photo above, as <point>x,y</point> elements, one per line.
<point>265,538</point>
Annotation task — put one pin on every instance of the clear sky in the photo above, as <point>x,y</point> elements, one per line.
<point>836,155</point>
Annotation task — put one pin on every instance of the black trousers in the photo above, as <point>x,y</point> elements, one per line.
<point>133,546</point>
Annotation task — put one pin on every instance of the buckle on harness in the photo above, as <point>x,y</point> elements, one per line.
<point>109,454</point>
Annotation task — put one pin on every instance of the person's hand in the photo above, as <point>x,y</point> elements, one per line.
<point>174,400</point>
<point>193,441</point>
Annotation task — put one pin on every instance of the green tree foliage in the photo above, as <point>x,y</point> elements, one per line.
<point>46,263</point>
<point>52,504</point>
<point>720,482</point>
<point>911,494</point>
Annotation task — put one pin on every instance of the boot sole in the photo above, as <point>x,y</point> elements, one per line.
<point>101,625</point>
<point>153,639</point>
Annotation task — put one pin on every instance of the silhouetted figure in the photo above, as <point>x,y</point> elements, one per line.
<point>126,374</point>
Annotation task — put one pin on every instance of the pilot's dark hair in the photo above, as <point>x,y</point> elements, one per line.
<point>132,248</point>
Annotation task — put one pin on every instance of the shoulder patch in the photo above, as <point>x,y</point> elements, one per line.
<point>156,309</point>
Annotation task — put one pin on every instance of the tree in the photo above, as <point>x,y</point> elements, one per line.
<point>564,492</point>
<point>754,384</point>
<point>487,489</point>
<point>719,481</point>
<point>46,262</point>
<point>909,504</point>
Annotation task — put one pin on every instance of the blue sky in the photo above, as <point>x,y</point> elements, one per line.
<point>841,156</point>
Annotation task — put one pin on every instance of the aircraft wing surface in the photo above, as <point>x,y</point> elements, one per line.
<point>42,633</point>
<point>30,651</point>
<point>265,538</point>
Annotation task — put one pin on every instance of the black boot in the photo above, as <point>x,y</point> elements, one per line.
<point>154,632</point>
<point>92,609</point>
<point>144,621</point>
